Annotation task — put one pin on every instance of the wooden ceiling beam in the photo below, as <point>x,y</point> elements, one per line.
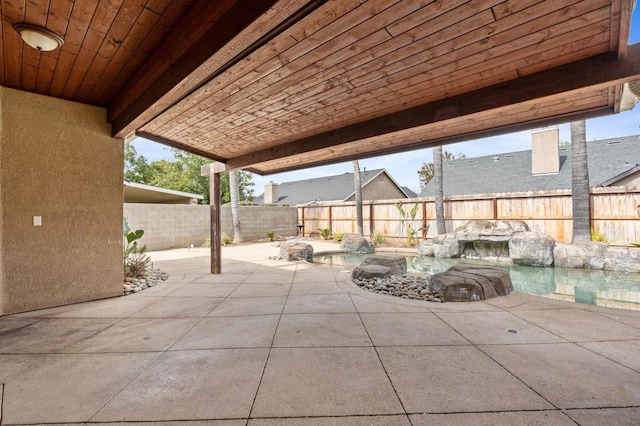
<point>174,72</point>
<point>599,71</point>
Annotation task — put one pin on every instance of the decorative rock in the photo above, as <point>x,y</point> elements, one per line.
<point>531,249</point>
<point>425,248</point>
<point>446,245</point>
<point>294,250</point>
<point>370,271</point>
<point>625,259</point>
<point>355,243</point>
<point>465,283</point>
<point>585,254</point>
<point>397,264</point>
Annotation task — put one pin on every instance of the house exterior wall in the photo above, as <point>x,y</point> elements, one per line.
<point>380,189</point>
<point>58,161</point>
<point>179,225</point>
<point>630,182</point>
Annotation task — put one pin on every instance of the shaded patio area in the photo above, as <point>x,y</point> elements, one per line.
<point>289,343</point>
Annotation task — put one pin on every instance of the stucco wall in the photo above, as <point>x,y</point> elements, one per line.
<point>172,225</point>
<point>58,161</point>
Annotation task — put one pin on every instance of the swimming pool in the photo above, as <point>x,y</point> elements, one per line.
<point>594,287</point>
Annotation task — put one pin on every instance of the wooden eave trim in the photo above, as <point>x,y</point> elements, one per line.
<point>596,72</point>
<point>181,146</point>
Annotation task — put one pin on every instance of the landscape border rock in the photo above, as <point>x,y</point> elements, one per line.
<point>356,243</point>
<point>296,250</point>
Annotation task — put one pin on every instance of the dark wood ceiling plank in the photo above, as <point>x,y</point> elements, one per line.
<point>35,14</point>
<point>167,22</point>
<point>57,21</point>
<point>121,31</point>
<point>605,72</point>
<point>79,24</point>
<point>13,12</point>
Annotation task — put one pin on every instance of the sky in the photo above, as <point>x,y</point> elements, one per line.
<point>404,167</point>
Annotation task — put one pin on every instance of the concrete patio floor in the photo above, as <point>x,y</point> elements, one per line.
<point>289,343</point>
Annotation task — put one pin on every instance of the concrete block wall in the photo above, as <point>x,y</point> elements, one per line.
<point>178,225</point>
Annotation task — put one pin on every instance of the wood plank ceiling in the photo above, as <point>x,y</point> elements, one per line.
<point>275,85</point>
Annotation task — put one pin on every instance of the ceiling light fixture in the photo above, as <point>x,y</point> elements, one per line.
<point>38,37</point>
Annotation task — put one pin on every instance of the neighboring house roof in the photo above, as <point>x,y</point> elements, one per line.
<point>141,193</point>
<point>409,192</point>
<point>609,161</point>
<point>323,189</point>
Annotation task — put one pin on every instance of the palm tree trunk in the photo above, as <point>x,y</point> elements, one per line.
<point>235,206</point>
<point>439,189</point>
<point>358,189</point>
<point>580,183</point>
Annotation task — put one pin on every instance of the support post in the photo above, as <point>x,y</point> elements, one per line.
<point>212,170</point>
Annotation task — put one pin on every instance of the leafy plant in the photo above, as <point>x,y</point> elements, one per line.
<point>596,235</point>
<point>338,237</point>
<point>378,238</point>
<point>271,235</point>
<point>325,233</point>
<point>225,239</point>
<point>207,241</point>
<point>135,261</point>
<point>406,222</point>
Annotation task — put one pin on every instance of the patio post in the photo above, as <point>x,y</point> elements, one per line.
<point>213,171</point>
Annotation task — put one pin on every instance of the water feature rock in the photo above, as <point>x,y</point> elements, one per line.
<point>531,249</point>
<point>446,245</point>
<point>355,243</point>
<point>397,264</point>
<point>585,254</point>
<point>425,248</point>
<point>626,259</point>
<point>294,250</point>
<point>370,271</point>
<point>467,283</point>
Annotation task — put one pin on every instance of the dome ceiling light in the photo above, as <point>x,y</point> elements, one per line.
<point>38,37</point>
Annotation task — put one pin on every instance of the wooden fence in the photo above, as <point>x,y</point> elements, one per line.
<point>614,213</point>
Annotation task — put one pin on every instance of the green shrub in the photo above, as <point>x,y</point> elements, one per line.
<point>134,260</point>
<point>338,237</point>
<point>325,233</point>
<point>596,235</point>
<point>225,239</point>
<point>207,241</point>
<point>378,238</point>
<point>271,235</point>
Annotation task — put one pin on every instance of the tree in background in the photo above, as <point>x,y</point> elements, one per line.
<point>580,183</point>
<point>439,190</point>
<point>426,171</point>
<point>358,189</point>
<point>235,206</point>
<point>182,174</point>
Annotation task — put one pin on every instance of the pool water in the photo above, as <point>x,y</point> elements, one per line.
<point>594,287</point>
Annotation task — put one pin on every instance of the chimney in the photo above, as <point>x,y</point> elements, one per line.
<point>271,193</point>
<point>545,154</point>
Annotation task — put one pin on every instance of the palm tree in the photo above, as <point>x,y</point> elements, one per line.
<point>358,189</point>
<point>235,206</point>
<point>439,190</point>
<point>580,183</point>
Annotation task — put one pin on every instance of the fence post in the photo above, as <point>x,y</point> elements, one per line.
<point>330,217</point>
<point>495,208</point>
<point>371,219</point>
<point>425,231</point>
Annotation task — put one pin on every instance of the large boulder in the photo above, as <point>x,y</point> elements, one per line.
<point>397,264</point>
<point>468,283</point>
<point>531,249</point>
<point>370,271</point>
<point>446,245</point>
<point>356,243</point>
<point>295,250</point>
